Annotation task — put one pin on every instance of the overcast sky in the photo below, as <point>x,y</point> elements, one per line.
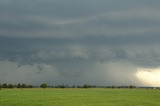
<point>98,42</point>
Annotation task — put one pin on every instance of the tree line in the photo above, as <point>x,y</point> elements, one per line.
<point>45,85</point>
<point>5,85</point>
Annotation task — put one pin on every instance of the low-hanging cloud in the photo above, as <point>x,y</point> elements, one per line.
<point>113,73</point>
<point>11,72</point>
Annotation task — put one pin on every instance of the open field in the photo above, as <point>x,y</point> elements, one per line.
<point>79,97</point>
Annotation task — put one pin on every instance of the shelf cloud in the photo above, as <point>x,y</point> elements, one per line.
<point>78,42</point>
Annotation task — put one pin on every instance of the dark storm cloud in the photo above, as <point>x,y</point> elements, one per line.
<point>77,42</point>
<point>53,18</point>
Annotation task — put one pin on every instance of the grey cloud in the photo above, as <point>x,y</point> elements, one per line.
<point>100,67</point>
<point>27,73</point>
<point>94,48</point>
<point>55,18</point>
<point>77,42</point>
<point>99,74</point>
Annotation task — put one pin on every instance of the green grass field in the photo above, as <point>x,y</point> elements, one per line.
<point>79,97</point>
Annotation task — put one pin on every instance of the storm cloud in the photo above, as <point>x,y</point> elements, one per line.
<point>101,42</point>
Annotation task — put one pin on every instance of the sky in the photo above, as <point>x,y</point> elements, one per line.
<point>76,42</point>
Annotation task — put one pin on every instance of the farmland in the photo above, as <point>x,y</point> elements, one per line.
<point>79,97</point>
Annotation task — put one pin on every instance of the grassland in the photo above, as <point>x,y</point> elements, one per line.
<point>79,97</point>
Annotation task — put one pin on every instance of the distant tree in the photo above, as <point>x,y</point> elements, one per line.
<point>10,86</point>
<point>19,85</point>
<point>62,86</point>
<point>112,87</point>
<point>73,86</point>
<point>0,86</point>
<point>132,86</point>
<point>29,86</point>
<point>108,86</point>
<point>23,86</point>
<point>86,86</point>
<point>4,85</point>
<point>44,85</point>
